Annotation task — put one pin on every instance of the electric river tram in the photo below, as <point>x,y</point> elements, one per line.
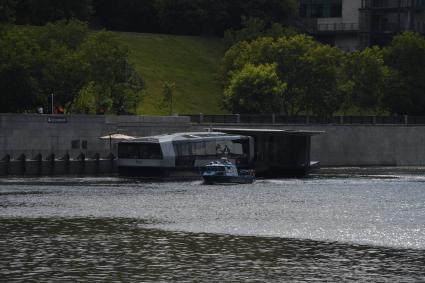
<point>182,155</point>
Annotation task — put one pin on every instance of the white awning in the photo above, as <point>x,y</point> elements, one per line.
<point>117,137</point>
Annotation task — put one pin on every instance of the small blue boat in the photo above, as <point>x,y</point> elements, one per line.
<point>225,172</point>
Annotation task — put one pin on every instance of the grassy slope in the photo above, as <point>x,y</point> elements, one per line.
<point>190,62</point>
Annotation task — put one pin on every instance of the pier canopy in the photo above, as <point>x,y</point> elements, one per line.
<point>278,152</point>
<point>274,132</point>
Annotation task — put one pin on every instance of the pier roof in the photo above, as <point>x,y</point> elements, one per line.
<point>274,132</point>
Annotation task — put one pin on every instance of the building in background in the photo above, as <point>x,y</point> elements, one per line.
<point>334,22</point>
<point>380,20</point>
<point>357,24</point>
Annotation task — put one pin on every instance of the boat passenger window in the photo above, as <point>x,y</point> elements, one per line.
<point>210,148</point>
<point>139,151</point>
<point>150,151</point>
<point>198,148</point>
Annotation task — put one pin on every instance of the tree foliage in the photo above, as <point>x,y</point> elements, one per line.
<point>405,57</point>
<point>367,75</point>
<point>255,89</point>
<point>253,28</point>
<point>167,96</point>
<point>7,11</point>
<point>40,12</point>
<point>19,68</point>
<point>127,15</point>
<point>66,60</point>
<point>309,70</point>
<point>193,17</point>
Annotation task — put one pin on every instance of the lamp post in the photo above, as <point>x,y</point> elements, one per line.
<point>52,102</point>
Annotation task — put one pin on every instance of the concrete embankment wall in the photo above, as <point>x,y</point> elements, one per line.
<point>70,144</point>
<point>359,145</point>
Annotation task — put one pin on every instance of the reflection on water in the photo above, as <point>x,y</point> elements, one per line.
<point>85,249</point>
<point>333,227</point>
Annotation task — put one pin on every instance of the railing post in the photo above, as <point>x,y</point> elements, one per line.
<point>238,118</point>
<point>341,119</point>
<point>201,118</point>
<point>406,119</point>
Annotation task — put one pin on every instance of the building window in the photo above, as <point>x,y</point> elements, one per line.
<point>320,8</point>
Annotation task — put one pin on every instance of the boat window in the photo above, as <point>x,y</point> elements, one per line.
<point>216,168</point>
<point>198,148</point>
<point>187,151</point>
<point>211,147</point>
<point>139,151</point>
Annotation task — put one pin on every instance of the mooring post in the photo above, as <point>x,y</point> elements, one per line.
<point>6,160</point>
<point>67,160</point>
<point>51,162</point>
<point>22,166</point>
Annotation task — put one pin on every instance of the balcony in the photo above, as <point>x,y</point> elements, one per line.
<point>337,28</point>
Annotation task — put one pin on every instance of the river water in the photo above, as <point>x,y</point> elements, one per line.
<point>337,226</point>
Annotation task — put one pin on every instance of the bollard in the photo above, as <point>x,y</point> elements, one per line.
<point>97,159</point>
<point>81,163</point>
<point>22,168</point>
<point>36,165</point>
<point>66,159</point>
<point>5,165</point>
<point>49,165</point>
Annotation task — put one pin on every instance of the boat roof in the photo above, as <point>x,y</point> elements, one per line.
<point>185,136</point>
<point>274,132</point>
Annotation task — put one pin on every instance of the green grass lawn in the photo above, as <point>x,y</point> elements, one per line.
<point>191,63</point>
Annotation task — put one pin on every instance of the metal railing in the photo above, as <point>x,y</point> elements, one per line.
<point>367,4</point>
<point>303,120</point>
<point>337,27</point>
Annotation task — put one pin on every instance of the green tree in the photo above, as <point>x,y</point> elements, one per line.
<point>255,89</point>
<point>40,12</point>
<point>82,70</point>
<point>110,69</point>
<point>367,76</point>
<point>322,91</point>
<point>405,57</point>
<point>253,28</point>
<point>310,71</point>
<point>167,96</point>
<point>70,34</point>
<point>20,61</point>
<point>63,71</point>
<point>86,100</point>
<point>7,11</point>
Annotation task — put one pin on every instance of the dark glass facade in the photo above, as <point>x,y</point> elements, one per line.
<point>321,8</point>
<point>140,151</point>
<point>189,151</point>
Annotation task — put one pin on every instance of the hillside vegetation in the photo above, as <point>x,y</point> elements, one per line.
<point>191,63</point>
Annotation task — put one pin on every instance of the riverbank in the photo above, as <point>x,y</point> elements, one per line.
<point>26,140</point>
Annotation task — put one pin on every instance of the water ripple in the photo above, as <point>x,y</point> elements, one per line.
<point>99,250</point>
